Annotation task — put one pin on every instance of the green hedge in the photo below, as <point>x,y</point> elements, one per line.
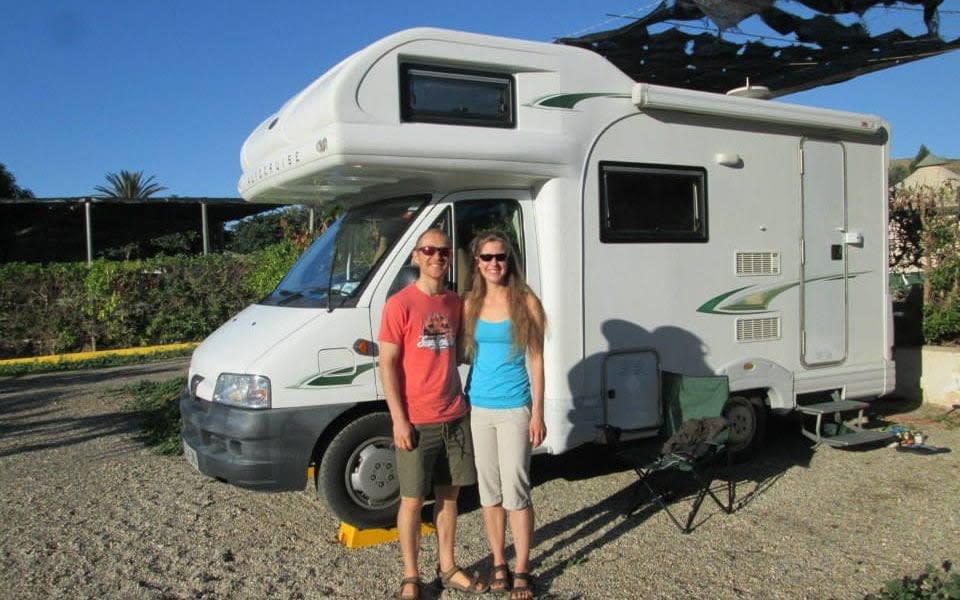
<point>72,307</point>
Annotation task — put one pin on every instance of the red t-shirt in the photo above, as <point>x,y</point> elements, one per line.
<point>425,329</point>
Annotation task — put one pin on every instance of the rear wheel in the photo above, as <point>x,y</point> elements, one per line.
<point>747,423</point>
<point>357,477</point>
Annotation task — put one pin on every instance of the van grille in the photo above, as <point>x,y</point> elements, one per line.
<point>755,330</point>
<point>758,263</point>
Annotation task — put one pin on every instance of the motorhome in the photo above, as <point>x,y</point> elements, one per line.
<point>664,229</point>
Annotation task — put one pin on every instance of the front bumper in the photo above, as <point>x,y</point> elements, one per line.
<point>259,449</point>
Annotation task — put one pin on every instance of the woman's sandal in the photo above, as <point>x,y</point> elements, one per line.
<point>522,592</point>
<point>474,587</point>
<point>499,580</point>
<point>416,583</point>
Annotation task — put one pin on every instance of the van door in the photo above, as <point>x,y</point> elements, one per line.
<point>823,289</point>
<point>462,216</point>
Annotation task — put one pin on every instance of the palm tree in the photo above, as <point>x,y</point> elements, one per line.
<point>129,185</point>
<point>9,187</point>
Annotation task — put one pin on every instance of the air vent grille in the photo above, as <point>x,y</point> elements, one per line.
<point>758,329</point>
<point>758,263</point>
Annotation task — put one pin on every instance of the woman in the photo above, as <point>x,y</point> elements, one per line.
<point>503,329</point>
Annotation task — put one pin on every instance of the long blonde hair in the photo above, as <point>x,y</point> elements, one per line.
<point>526,327</point>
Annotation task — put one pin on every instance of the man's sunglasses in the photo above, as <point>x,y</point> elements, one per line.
<point>443,251</point>
<point>488,257</point>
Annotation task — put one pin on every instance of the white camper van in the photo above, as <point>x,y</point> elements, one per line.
<point>664,230</point>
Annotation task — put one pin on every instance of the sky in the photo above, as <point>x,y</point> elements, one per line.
<point>173,87</point>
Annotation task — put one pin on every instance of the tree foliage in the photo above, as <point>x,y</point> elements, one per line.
<point>922,153</point>
<point>9,187</point>
<point>929,237</point>
<point>898,172</point>
<point>291,223</point>
<point>130,185</point>
<point>259,231</point>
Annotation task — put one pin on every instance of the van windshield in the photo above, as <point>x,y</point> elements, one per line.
<point>334,269</point>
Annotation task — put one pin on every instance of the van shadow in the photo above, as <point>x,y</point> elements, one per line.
<point>607,520</point>
<point>573,538</point>
<point>907,395</point>
<point>678,350</point>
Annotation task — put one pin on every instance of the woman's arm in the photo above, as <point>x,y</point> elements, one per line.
<point>538,428</point>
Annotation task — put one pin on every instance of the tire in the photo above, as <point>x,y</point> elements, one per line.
<point>357,477</point>
<point>747,418</point>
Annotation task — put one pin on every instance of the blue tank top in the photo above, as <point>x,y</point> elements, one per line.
<point>498,377</point>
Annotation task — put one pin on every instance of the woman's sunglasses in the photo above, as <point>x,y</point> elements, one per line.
<point>488,257</point>
<point>443,251</point>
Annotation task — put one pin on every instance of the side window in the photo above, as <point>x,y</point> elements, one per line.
<point>453,96</point>
<point>468,219</point>
<point>409,272</point>
<point>652,203</point>
<point>473,217</point>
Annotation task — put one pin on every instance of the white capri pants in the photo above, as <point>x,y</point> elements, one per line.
<point>501,448</point>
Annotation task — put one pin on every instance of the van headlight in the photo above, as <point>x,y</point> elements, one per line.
<point>245,391</point>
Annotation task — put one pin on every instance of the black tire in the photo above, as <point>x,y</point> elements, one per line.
<point>357,477</point>
<point>747,418</point>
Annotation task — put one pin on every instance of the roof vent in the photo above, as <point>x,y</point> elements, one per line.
<point>759,92</point>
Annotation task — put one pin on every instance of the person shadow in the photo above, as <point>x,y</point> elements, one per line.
<point>606,520</point>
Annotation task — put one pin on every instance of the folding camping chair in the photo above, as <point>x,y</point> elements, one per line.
<point>695,434</point>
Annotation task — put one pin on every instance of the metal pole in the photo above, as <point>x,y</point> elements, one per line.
<point>311,220</point>
<point>206,234</point>
<point>89,230</point>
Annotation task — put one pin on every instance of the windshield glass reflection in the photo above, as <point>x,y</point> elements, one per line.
<point>335,268</point>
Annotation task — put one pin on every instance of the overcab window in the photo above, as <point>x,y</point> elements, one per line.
<point>652,203</point>
<point>431,94</point>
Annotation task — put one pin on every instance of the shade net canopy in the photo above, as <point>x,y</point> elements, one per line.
<point>54,229</point>
<point>785,45</point>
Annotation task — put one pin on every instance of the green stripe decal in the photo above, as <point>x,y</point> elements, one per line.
<point>569,101</point>
<point>344,376</point>
<point>754,299</point>
<point>712,303</point>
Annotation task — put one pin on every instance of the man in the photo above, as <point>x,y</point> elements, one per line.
<point>431,424</point>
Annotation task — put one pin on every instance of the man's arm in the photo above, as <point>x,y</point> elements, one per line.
<point>403,437</point>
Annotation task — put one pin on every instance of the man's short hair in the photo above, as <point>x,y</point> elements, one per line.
<point>428,232</point>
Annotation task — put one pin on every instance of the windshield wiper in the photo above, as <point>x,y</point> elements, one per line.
<point>291,296</point>
<point>344,296</point>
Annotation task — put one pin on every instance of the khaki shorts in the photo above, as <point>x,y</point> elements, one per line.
<point>443,456</point>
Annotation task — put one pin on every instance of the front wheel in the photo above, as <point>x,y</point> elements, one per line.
<point>357,477</point>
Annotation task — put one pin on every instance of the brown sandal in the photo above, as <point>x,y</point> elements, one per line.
<point>474,587</point>
<point>417,585</point>
<point>499,580</point>
<point>522,592</point>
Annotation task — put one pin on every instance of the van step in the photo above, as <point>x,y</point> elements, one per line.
<point>858,437</point>
<point>833,407</point>
<point>838,432</point>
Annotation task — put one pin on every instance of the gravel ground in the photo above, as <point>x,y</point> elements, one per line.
<point>86,511</point>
